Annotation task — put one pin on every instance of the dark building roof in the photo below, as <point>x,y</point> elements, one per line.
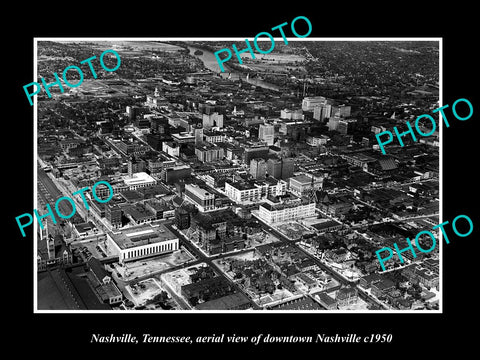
<point>326,299</point>
<point>384,284</point>
<point>370,278</point>
<point>387,164</point>
<point>195,288</point>
<point>177,201</point>
<point>229,302</point>
<point>346,292</point>
<point>97,268</point>
<point>304,303</point>
<point>84,227</point>
<point>86,293</point>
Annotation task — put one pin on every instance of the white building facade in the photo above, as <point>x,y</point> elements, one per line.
<point>141,242</point>
<point>276,213</point>
<point>243,194</point>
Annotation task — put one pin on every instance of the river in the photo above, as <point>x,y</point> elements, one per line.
<point>210,62</point>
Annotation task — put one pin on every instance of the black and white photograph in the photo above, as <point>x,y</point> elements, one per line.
<point>174,185</point>
<point>219,179</point>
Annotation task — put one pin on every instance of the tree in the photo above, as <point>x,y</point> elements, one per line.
<point>416,295</point>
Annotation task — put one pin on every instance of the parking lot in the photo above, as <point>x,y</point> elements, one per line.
<point>144,267</point>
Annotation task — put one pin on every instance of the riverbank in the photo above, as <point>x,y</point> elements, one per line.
<point>232,72</point>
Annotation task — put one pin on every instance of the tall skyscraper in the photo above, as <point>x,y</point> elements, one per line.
<point>322,111</point>
<point>113,213</point>
<point>182,218</point>
<point>342,127</point>
<point>345,125</point>
<point>198,136</point>
<point>309,103</point>
<point>288,167</point>
<point>288,114</point>
<point>159,125</point>
<point>317,112</point>
<point>254,151</point>
<point>258,168</point>
<point>333,123</point>
<point>211,120</point>
<point>266,132</point>
<point>274,168</point>
<point>132,163</point>
<point>135,165</point>
<point>341,111</point>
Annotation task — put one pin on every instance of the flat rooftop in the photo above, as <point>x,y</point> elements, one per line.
<point>325,224</point>
<point>157,205</point>
<point>250,185</point>
<point>213,133</point>
<point>240,185</point>
<point>302,179</point>
<point>228,302</point>
<point>183,135</point>
<point>138,178</point>
<point>84,227</point>
<point>287,205</point>
<point>142,235</point>
<point>198,191</point>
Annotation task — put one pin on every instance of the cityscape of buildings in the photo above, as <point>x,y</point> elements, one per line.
<point>259,188</point>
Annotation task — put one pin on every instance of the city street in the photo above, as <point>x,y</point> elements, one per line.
<point>337,276</point>
<point>200,255</point>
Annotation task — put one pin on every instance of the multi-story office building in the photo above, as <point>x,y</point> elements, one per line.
<point>183,137</point>
<point>301,185</point>
<point>258,168</point>
<point>233,152</point>
<point>113,213</point>
<point>253,151</point>
<point>266,132</point>
<point>317,140</point>
<point>172,175</point>
<point>201,198</point>
<point>139,180</point>
<point>271,212</point>
<point>159,125</point>
<point>333,123</point>
<point>288,167</point>
<point>342,111</point>
<point>251,192</point>
<point>155,140</point>
<point>274,168</point>
<point>322,111</point>
<point>142,241</point>
<point>214,137</point>
<point>309,103</point>
<point>296,114</point>
<point>182,218</point>
<point>135,165</point>
<point>158,165</point>
<point>344,126</point>
<point>280,168</point>
<point>171,148</point>
<point>212,120</point>
<point>198,132</point>
<point>130,147</point>
<point>68,144</point>
<point>212,232</point>
<point>209,152</point>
